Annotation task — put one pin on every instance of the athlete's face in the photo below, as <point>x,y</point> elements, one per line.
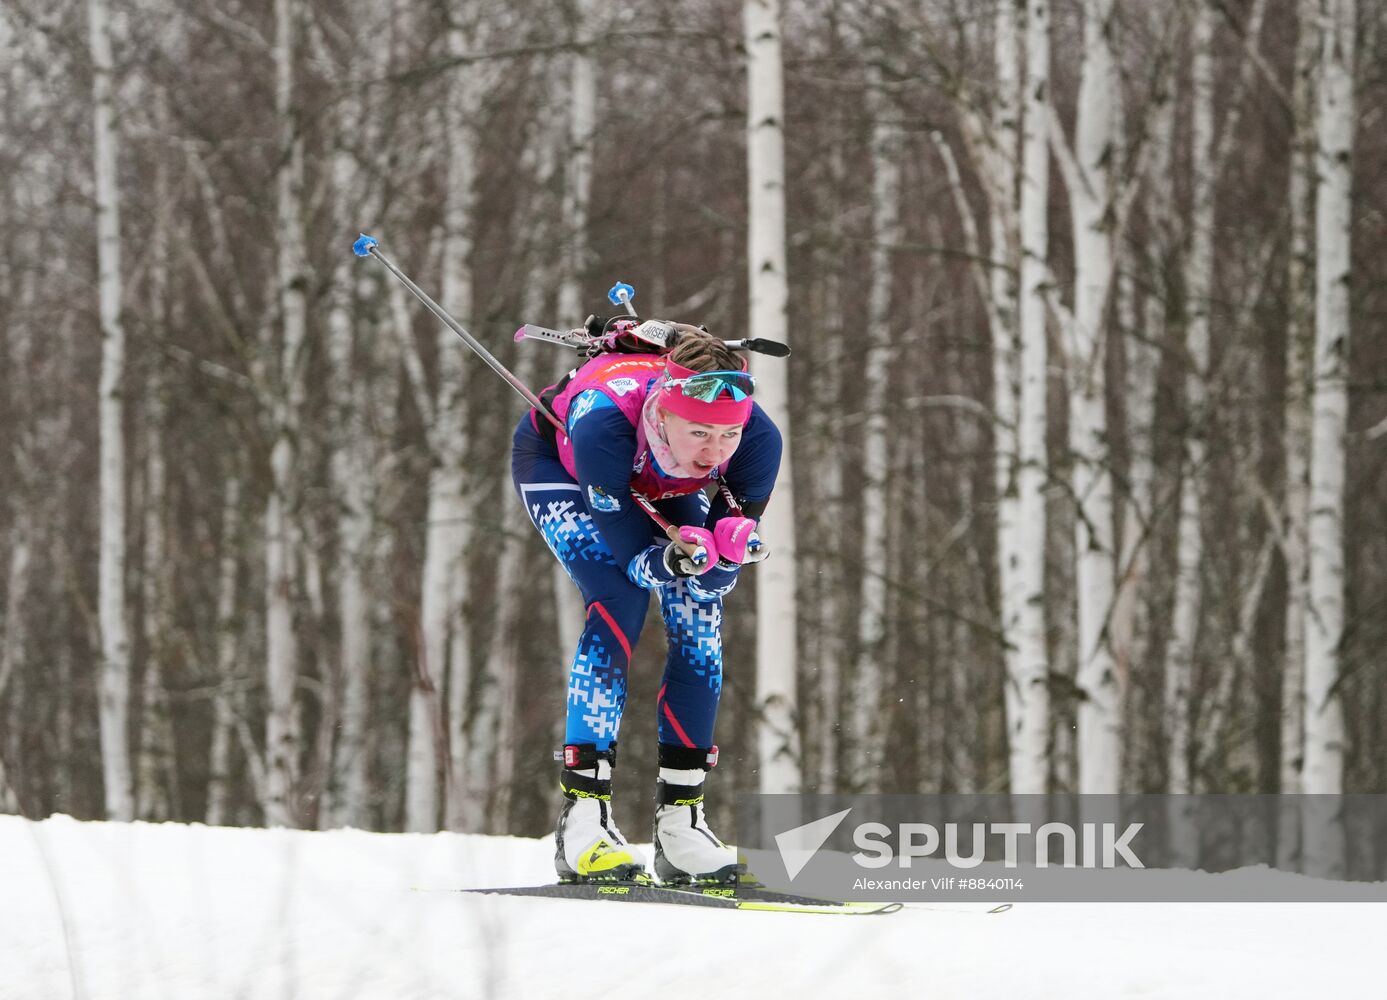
<point>702,447</point>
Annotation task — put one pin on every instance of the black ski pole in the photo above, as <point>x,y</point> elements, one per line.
<point>369,246</point>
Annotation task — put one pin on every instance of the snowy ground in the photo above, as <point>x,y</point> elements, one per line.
<point>170,911</point>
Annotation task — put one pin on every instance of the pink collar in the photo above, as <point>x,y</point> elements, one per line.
<point>654,434</point>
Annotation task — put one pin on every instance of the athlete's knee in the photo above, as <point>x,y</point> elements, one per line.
<point>621,615</point>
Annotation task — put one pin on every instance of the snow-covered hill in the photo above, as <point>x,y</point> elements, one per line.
<point>188,912</point>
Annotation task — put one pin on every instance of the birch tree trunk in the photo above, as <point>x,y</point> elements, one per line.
<point>777,658</point>
<point>315,793</point>
<point>227,698</point>
<point>1300,349</point>
<point>447,635</point>
<point>1027,700</point>
<point>14,636</point>
<point>869,725</point>
<point>577,193</point>
<point>424,749</point>
<point>577,187</point>
<point>156,790</point>
<point>114,702</point>
<point>536,219</point>
<point>282,736</point>
<point>428,748</point>
<point>1005,338</point>
<point>826,431</point>
<point>1091,211</point>
<point>1198,288</point>
<point>352,793</point>
<point>513,598</point>
<point>1324,623</point>
<point>351,476</point>
<point>489,771</point>
<point>999,155</point>
<point>1142,359</point>
<point>16,354</point>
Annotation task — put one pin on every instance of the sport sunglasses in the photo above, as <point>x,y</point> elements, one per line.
<point>707,386</point>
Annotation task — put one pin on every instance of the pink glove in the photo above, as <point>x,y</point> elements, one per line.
<point>734,535</point>
<point>681,564</point>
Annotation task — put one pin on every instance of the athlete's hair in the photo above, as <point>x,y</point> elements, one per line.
<point>699,351</point>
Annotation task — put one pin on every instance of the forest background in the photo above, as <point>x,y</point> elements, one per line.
<point>1086,415</point>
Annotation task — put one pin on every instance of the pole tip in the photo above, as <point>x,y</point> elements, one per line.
<point>362,247</point>
<point>620,294</point>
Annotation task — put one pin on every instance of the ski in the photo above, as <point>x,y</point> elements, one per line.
<point>740,897</point>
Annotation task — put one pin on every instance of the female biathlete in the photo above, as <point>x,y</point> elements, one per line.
<point>666,427</point>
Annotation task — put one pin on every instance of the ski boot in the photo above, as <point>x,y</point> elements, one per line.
<point>686,851</point>
<point>588,845</point>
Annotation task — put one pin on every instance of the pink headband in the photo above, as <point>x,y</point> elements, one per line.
<point>722,410</point>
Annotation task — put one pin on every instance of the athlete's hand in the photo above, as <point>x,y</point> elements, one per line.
<point>704,557</point>
<point>737,540</point>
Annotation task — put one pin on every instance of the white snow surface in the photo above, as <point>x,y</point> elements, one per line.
<point>97,910</point>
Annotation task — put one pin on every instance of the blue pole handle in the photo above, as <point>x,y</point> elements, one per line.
<point>362,247</point>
